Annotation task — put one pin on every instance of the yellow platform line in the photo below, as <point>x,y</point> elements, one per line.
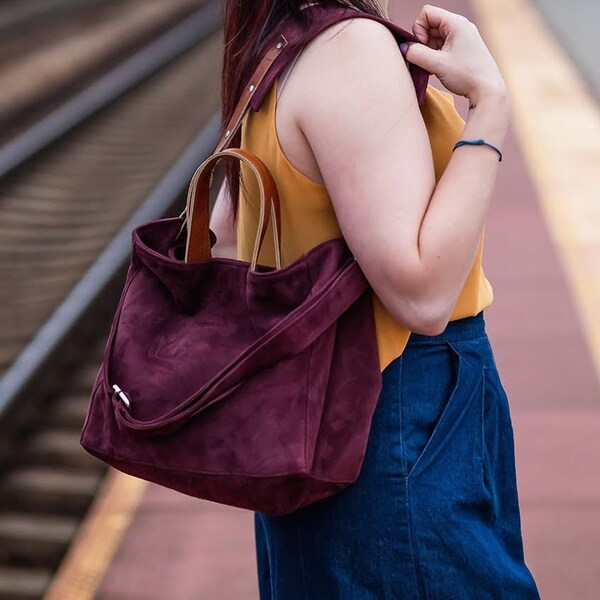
<point>557,122</point>
<point>98,537</point>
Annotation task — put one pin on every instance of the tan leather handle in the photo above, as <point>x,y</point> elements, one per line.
<point>242,105</point>
<point>244,101</point>
<point>197,248</point>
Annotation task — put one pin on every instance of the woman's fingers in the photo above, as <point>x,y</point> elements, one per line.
<point>424,56</point>
<point>420,31</point>
<point>434,24</point>
<point>434,17</point>
<point>451,48</point>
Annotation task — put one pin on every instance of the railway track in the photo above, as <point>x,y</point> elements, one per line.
<point>18,17</point>
<point>71,192</point>
<point>49,49</point>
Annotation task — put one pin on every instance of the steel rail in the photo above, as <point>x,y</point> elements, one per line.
<point>110,87</point>
<point>52,335</point>
<point>18,16</point>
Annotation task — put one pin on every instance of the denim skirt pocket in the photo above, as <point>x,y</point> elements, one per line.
<point>441,412</point>
<point>498,460</point>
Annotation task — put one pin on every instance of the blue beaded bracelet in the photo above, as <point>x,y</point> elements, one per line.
<point>476,143</point>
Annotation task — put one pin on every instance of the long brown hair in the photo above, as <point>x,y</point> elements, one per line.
<point>246,26</point>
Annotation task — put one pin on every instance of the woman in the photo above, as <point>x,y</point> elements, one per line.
<point>434,513</point>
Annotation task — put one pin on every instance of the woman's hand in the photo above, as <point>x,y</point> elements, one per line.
<point>452,49</point>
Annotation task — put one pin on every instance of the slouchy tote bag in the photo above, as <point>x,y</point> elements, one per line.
<point>237,382</point>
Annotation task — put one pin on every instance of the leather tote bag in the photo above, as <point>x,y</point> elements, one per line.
<point>236,382</point>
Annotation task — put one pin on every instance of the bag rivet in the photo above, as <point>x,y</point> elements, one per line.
<point>251,88</point>
<point>227,133</point>
<point>122,396</point>
<point>279,45</point>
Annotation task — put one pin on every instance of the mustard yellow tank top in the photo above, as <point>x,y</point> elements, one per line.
<point>308,217</point>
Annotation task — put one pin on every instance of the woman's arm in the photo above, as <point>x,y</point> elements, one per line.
<point>415,241</point>
<point>220,223</point>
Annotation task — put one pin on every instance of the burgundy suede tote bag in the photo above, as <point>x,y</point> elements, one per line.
<point>236,382</point>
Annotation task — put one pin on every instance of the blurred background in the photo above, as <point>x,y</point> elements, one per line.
<point>106,109</point>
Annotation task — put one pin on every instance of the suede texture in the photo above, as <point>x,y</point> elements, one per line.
<point>249,388</point>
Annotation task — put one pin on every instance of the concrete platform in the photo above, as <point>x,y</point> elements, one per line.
<point>182,548</point>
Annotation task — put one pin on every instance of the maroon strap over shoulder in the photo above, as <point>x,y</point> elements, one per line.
<point>322,18</point>
<point>288,40</point>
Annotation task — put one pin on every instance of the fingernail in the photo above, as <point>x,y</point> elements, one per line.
<point>403,47</point>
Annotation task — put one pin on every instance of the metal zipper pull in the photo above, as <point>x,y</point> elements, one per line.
<point>122,396</point>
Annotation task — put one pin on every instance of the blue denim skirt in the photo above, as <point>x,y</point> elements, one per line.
<point>434,513</point>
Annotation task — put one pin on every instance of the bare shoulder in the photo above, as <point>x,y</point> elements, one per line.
<point>356,57</point>
<point>356,31</point>
<point>341,45</point>
<point>351,67</point>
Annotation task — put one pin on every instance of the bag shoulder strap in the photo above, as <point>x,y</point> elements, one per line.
<point>288,41</point>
